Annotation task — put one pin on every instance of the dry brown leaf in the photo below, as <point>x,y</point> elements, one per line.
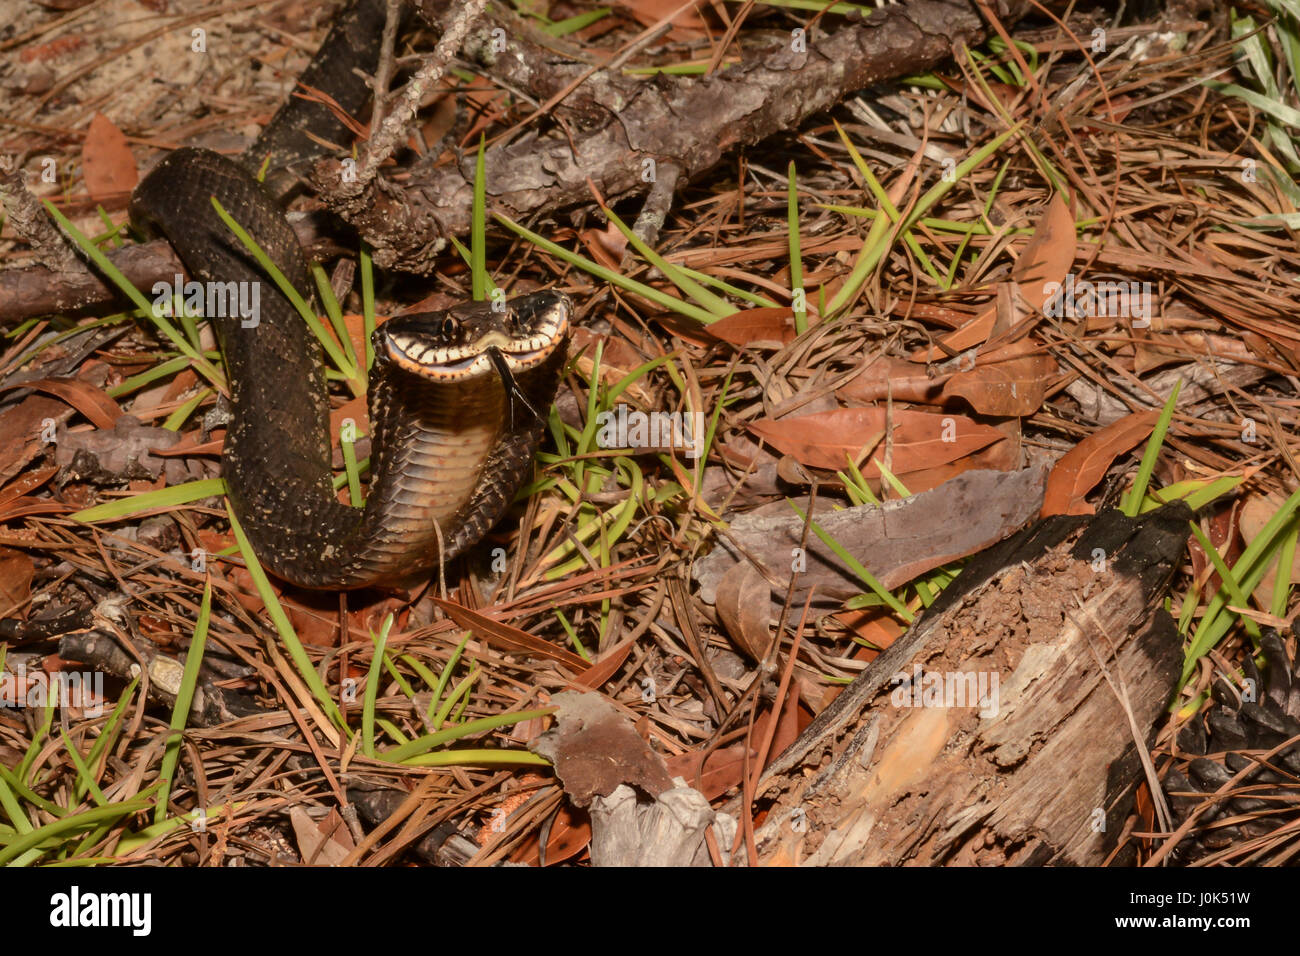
<point>686,25</point>
<point>765,326</point>
<point>511,638</point>
<point>920,439</point>
<point>90,400</point>
<point>325,843</point>
<point>606,667</point>
<point>1079,469</point>
<point>1046,258</point>
<point>107,162</point>
<point>569,835</point>
<point>1011,388</point>
<point>743,607</point>
<point>16,572</point>
<point>891,376</point>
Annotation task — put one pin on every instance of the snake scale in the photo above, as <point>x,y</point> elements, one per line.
<point>453,396</point>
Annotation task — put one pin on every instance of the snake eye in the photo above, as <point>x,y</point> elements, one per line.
<point>449,327</point>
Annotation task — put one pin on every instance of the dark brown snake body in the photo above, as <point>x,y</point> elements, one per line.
<point>452,437</point>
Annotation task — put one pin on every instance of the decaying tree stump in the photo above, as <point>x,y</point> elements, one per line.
<point>1000,729</point>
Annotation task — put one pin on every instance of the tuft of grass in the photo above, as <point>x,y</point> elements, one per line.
<point>878,240</point>
<point>1242,579</point>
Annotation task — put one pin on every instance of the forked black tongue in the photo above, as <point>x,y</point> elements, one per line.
<point>513,390</point>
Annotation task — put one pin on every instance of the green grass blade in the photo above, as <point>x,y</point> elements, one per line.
<point>856,567</point>
<point>797,293</point>
<point>282,626</point>
<point>184,701</point>
<point>332,349</point>
<point>1132,502</point>
<point>181,494</point>
<point>609,275</point>
<point>422,745</point>
<point>478,226</point>
<point>372,687</point>
<point>201,365</point>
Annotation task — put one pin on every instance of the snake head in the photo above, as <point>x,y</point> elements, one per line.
<point>477,339</point>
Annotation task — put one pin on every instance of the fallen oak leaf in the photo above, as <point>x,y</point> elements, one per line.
<point>889,376</point>
<point>1078,470</point>
<point>1046,259</point>
<point>1012,388</point>
<point>752,327</point>
<point>921,440</point>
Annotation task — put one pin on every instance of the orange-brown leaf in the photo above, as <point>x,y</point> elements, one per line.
<point>771,326</point>
<point>90,400</point>
<point>1079,469</point>
<point>1013,387</point>
<point>107,162</point>
<point>1046,258</point>
<point>920,440</point>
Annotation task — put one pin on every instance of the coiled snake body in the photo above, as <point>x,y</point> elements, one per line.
<point>453,396</point>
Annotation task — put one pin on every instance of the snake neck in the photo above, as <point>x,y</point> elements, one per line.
<point>430,446</point>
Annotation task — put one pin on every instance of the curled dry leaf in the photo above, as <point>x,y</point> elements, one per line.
<point>1007,381</point>
<point>1014,387</point>
<point>1078,470</point>
<point>900,379</point>
<point>1046,258</point>
<point>743,607</point>
<point>595,748</point>
<point>87,398</point>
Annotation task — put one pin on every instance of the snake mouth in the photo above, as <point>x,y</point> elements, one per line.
<point>458,344</point>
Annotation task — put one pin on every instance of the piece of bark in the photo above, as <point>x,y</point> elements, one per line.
<point>36,290</point>
<point>623,122</point>
<point>640,816</point>
<point>895,541</point>
<point>1043,767</point>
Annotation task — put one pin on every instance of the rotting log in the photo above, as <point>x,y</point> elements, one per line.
<point>993,731</point>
